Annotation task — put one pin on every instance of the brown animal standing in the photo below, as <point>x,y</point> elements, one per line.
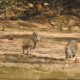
<point>30,43</point>
<point>71,49</point>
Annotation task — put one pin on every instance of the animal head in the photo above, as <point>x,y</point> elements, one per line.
<point>72,41</point>
<point>36,37</point>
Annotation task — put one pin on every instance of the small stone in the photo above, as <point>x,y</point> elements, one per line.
<point>76,60</point>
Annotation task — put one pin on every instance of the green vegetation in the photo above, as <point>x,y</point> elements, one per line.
<point>59,15</point>
<point>19,73</point>
<point>23,73</point>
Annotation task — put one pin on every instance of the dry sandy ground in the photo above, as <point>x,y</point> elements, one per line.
<point>48,56</point>
<point>48,50</point>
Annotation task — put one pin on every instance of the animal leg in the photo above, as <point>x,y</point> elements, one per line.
<point>23,51</point>
<point>27,52</point>
<point>73,55</point>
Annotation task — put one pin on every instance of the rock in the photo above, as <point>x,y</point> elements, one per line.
<point>76,60</point>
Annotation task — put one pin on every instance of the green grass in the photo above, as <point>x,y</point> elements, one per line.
<point>77,75</point>
<point>54,75</point>
<point>17,73</point>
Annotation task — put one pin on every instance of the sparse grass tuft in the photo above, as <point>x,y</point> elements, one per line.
<point>16,73</point>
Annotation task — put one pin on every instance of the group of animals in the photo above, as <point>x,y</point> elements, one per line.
<point>30,43</point>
